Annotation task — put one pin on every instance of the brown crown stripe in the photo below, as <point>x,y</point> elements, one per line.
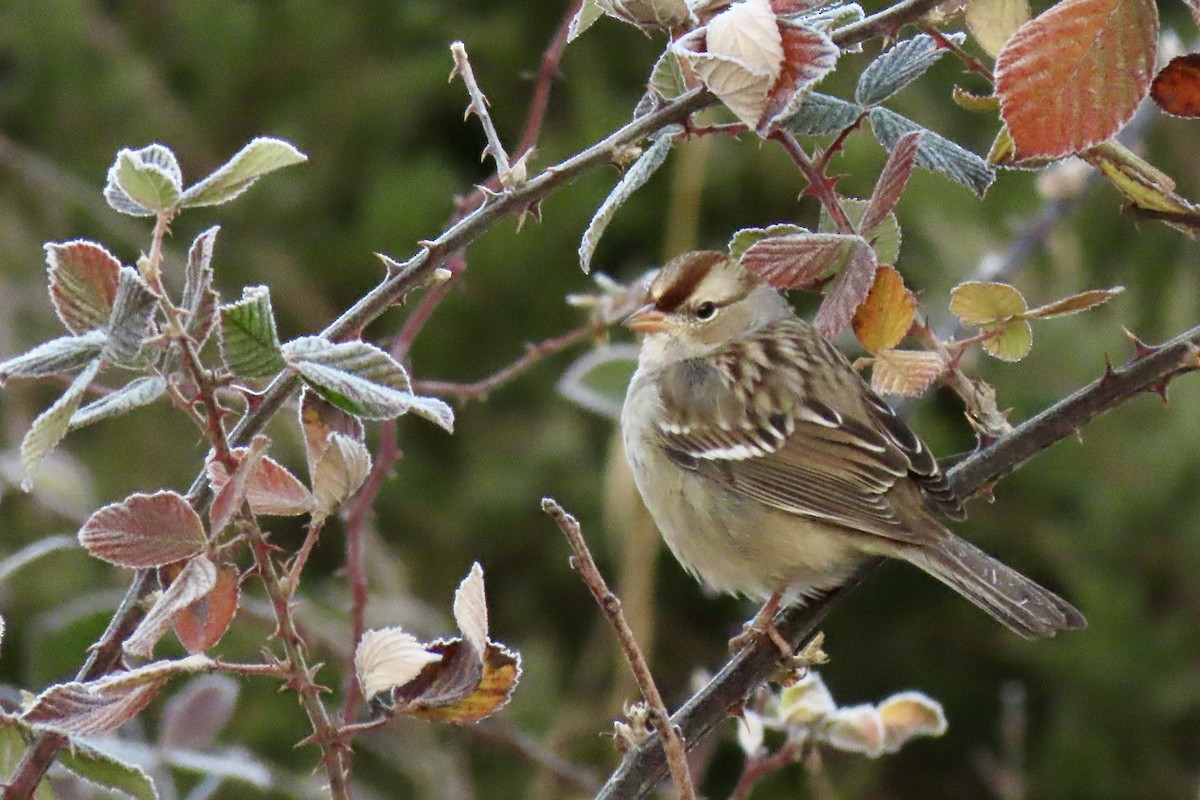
<point>685,274</point>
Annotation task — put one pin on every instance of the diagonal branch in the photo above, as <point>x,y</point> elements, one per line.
<point>1151,369</point>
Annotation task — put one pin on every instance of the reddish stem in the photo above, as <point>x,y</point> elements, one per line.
<point>818,184</point>
<point>758,767</point>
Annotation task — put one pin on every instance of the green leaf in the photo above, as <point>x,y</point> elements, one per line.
<point>52,424</point>
<point>127,325</point>
<point>64,354</point>
<point>822,115</point>
<point>144,182</point>
<point>885,237</point>
<point>979,303</point>
<point>249,343</point>
<point>1013,343</point>
<point>666,79</point>
<point>635,177</point>
<point>900,66</point>
<point>935,152</point>
<point>107,771</point>
<point>743,239</point>
<point>598,379</point>
<point>587,15</point>
<point>135,394</point>
<point>362,380</point>
<point>261,156</point>
<point>15,736</point>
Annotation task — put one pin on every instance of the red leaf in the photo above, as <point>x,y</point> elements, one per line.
<point>1176,88</point>
<point>144,530</point>
<point>892,180</point>
<point>202,624</point>
<point>230,490</point>
<point>1073,76</point>
<point>83,708</point>
<point>798,261</point>
<point>193,583</point>
<point>846,291</point>
<point>276,492</point>
<point>808,56</point>
<point>83,283</point>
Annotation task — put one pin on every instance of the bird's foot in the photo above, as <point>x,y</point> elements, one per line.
<point>762,626</point>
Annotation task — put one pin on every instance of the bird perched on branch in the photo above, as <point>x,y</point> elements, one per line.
<point>774,471</point>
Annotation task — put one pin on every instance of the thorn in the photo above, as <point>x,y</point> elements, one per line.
<point>1110,374</point>
<point>1140,348</point>
<point>1079,435</point>
<point>1159,387</point>
<point>390,264</point>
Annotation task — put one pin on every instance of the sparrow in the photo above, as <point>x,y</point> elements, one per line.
<point>774,471</point>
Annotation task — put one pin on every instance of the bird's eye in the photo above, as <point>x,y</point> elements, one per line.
<point>706,310</point>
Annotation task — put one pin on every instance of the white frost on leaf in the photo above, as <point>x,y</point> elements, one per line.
<point>470,609</point>
<point>389,657</point>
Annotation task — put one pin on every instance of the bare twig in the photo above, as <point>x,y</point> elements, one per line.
<point>757,767</point>
<point>479,107</point>
<point>819,185</point>
<point>585,565</point>
<point>1150,370</point>
<point>562,770</point>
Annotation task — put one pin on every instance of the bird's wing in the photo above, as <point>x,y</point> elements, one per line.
<point>761,418</point>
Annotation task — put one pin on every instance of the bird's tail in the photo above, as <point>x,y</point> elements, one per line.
<point>1014,600</point>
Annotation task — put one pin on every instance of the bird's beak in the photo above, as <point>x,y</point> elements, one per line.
<point>646,319</point>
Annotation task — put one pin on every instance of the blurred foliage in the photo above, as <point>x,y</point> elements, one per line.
<point>1113,522</point>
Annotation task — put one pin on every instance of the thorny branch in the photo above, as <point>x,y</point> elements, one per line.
<point>1150,370</point>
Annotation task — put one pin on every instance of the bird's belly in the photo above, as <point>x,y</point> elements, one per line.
<point>738,545</point>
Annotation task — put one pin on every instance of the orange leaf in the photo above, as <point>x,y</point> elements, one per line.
<point>202,624</point>
<point>1176,88</point>
<point>884,318</point>
<point>1073,76</point>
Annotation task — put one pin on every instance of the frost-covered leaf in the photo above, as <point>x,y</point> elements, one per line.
<point>361,379</point>
<point>993,22</point>
<point>83,283</point>
<point>318,419</point>
<point>884,238</point>
<point>64,354</point>
<point>197,713</point>
<point>388,658</point>
<point>470,608</point>
<point>144,182</point>
<point>648,14</point>
<point>261,156</point>
<point>343,466</point>
<point>884,317</point>
<point>52,424</point>
<point>905,372</point>
<point>1176,87</point>
<point>666,79</point>
<point>907,715</point>
<point>821,115</point>
<point>249,344</point>
<point>978,302</point>
<point>144,530</point>
<point>199,299</point>
<point>597,380</point>
<point>935,152</point>
<point>857,729</point>
<point>892,179</point>
<point>1072,77</point>
<point>193,583</point>
<point>807,701</point>
<point>101,705</point>
<point>229,491</point>
<point>204,622</point>
<point>1012,343</point>
<point>809,55</point>
<point>898,67</point>
<point>129,322</point>
<point>135,394</point>
<point>107,771</point>
<point>589,12</point>
<point>846,291</point>
<point>743,239</point>
<point>1075,303</point>
<point>633,179</point>
<point>748,33</point>
<point>259,480</point>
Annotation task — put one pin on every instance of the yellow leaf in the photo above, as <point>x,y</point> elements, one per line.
<point>978,303</point>
<point>884,317</point>
<point>1012,343</point>
<point>993,22</point>
<point>905,372</point>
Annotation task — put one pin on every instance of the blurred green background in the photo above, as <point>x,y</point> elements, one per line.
<point>1112,522</point>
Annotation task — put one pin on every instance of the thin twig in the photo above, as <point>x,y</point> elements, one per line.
<point>479,107</point>
<point>585,565</point>
<point>757,767</point>
<point>819,185</point>
<point>563,771</point>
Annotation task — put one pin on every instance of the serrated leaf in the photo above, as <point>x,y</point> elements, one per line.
<point>979,103</point>
<point>388,658</point>
<point>993,22</point>
<point>83,283</point>
<point>249,344</point>
<point>905,372</point>
<point>318,419</point>
<point>362,379</point>
<point>936,152</point>
<point>470,608</point>
<point>884,238</point>
<point>260,157</point>
<point>747,33</point>
<point>898,67</point>
<point>229,491</point>
<point>107,771</point>
<point>144,182</point>
<point>587,15</point>
<point>275,492</point>
<point>202,624</point>
<point>1139,182</point>
<point>808,56</point>
<point>598,379</point>
<point>194,715</point>
<point>978,303</point>
<point>193,583</point>
<point>52,424</point>
<point>464,695</point>
<point>821,115</point>
<point>846,291</point>
<point>127,326</point>
<point>1176,87</point>
<point>797,261</point>
<point>666,78</point>
<point>648,14</point>
<point>743,239</point>
<point>633,179</point>
<point>135,394</point>
<point>892,179</point>
<point>343,466</point>
<point>1073,76</point>
<point>882,320</point>
<point>1013,343</point>
<point>54,357</point>
<point>144,530</point>
<point>199,299</point>
<point>1075,303</point>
